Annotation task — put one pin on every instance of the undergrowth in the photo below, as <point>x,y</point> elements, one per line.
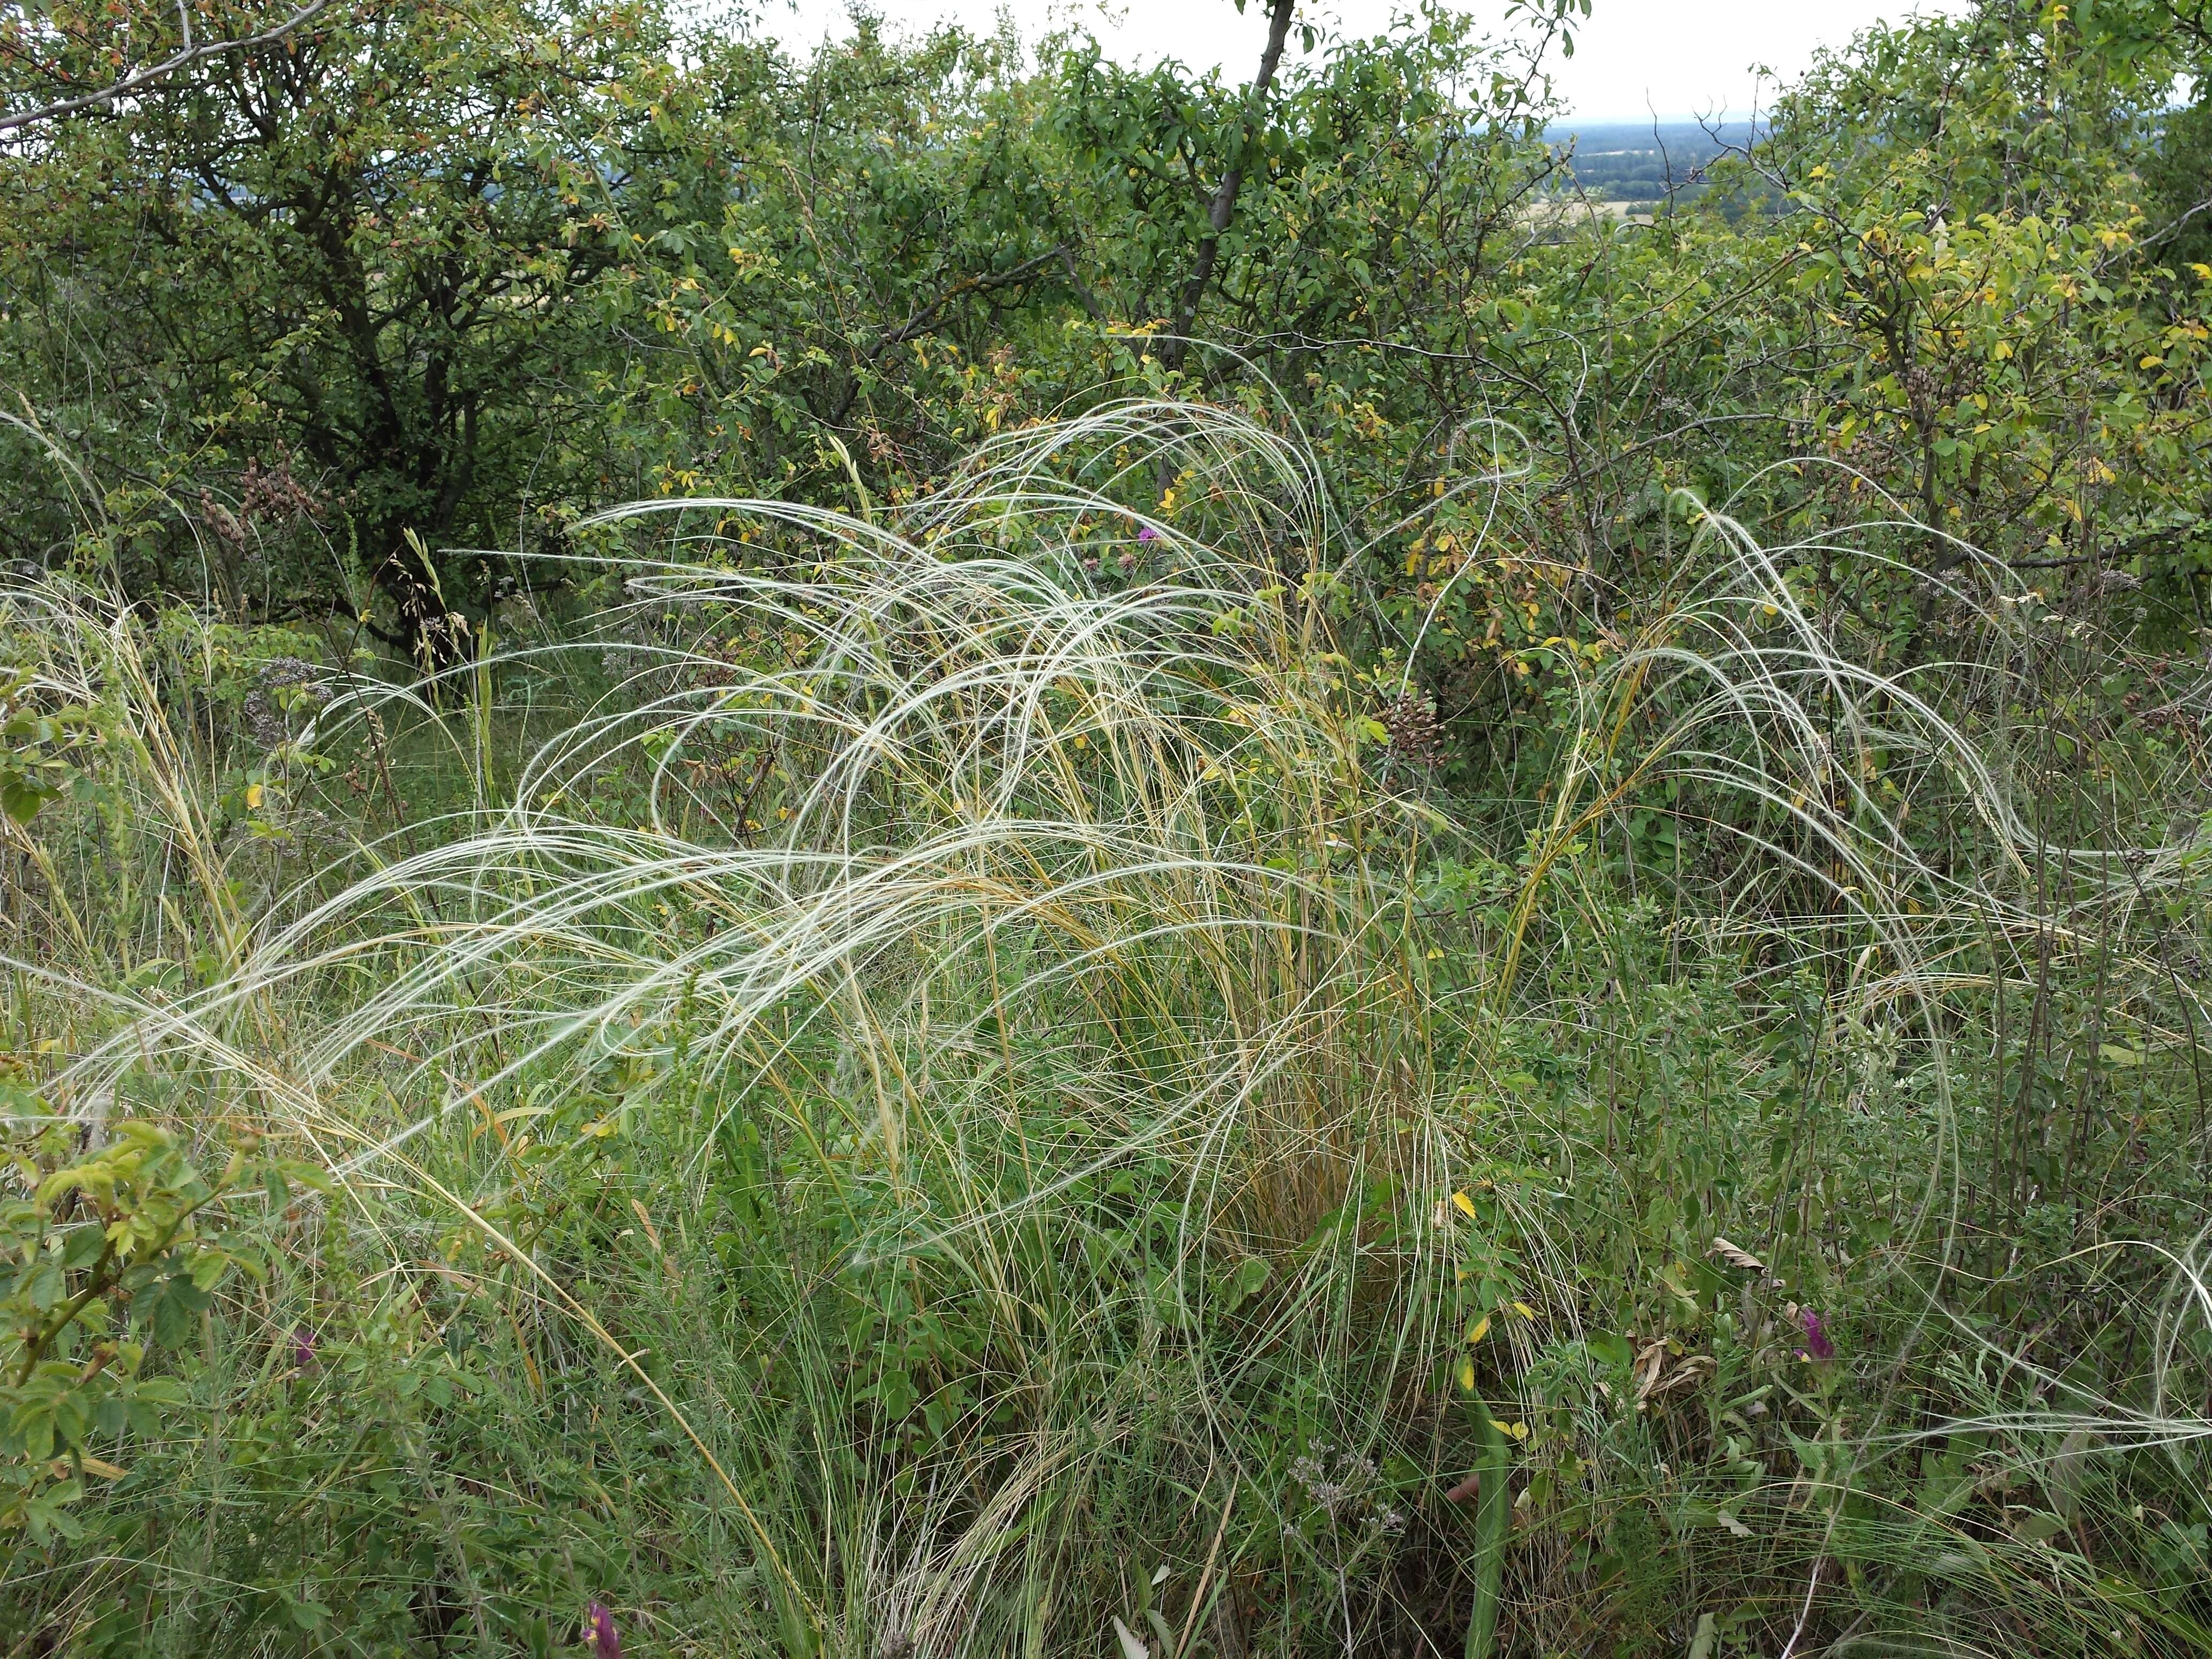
<point>950,1080</point>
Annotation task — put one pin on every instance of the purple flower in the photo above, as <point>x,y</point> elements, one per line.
<point>606,1645</point>
<point>303,1347</point>
<point>1146,533</point>
<point>1817,1346</point>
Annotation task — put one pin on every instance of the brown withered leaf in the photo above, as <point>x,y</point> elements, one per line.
<point>1735,1255</point>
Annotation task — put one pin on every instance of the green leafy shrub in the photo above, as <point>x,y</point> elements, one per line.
<point>110,1258</point>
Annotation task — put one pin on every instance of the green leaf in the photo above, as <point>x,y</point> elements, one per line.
<point>208,1269</point>
<point>43,1287</point>
<point>1252,1273</point>
<point>19,798</point>
<point>178,1305</point>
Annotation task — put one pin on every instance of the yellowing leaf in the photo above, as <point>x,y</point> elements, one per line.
<point>1466,1375</point>
<point>1480,1330</point>
<point>1466,1204</point>
<point>254,797</point>
<point>1524,1311</point>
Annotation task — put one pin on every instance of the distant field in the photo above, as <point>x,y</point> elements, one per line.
<point>1645,162</point>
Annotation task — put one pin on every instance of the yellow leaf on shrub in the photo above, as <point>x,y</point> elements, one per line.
<point>1480,1330</point>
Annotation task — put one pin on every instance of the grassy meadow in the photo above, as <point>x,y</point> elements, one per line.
<point>1506,971</point>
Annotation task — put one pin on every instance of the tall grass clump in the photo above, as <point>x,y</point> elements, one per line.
<point>975,1091</point>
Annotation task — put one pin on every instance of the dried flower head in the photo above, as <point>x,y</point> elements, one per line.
<point>1414,731</point>
<point>272,493</point>
<point>1344,1494</point>
<point>281,683</point>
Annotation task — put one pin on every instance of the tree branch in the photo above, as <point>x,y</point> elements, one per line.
<point>184,57</point>
<point>930,315</point>
<point>925,320</point>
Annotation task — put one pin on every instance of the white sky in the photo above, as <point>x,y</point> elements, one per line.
<point>1685,57</point>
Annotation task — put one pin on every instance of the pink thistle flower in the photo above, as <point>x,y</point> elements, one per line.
<point>1146,533</point>
<point>1817,1345</point>
<point>606,1645</point>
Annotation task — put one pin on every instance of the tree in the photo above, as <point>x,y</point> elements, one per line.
<point>76,62</point>
<point>349,252</point>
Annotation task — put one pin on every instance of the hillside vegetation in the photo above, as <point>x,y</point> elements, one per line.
<point>933,849</point>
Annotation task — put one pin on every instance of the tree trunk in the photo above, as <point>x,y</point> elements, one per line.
<point>1223,208</point>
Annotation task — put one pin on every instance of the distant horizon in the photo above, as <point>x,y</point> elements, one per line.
<point>1646,118</point>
